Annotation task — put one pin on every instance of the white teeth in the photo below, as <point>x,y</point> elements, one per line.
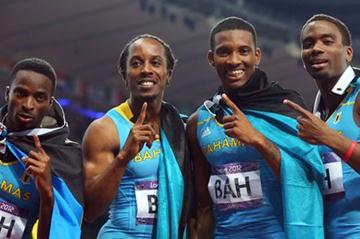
<point>147,83</point>
<point>236,72</point>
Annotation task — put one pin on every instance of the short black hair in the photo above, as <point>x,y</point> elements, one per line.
<point>37,65</point>
<point>343,29</point>
<point>170,58</point>
<point>231,23</point>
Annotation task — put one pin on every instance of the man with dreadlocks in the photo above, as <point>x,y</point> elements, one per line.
<point>136,156</point>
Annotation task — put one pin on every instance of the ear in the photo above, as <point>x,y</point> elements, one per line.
<point>169,75</point>
<point>7,92</point>
<point>51,102</point>
<point>257,56</point>
<point>348,54</point>
<point>210,57</point>
<point>123,76</point>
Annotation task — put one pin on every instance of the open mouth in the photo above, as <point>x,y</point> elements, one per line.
<point>146,83</point>
<point>235,74</point>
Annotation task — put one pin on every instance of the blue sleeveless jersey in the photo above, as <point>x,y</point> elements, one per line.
<point>19,201</point>
<point>245,192</point>
<point>342,199</point>
<point>133,210</point>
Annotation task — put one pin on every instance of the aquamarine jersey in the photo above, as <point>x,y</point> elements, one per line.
<point>132,212</point>
<point>19,201</point>
<point>342,209</point>
<point>245,192</point>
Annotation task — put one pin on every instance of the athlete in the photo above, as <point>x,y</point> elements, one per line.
<point>241,141</point>
<point>135,156</point>
<point>327,53</point>
<point>34,155</point>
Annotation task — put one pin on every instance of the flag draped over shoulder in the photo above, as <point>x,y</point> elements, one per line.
<point>66,165</point>
<point>301,170</point>
<point>175,183</point>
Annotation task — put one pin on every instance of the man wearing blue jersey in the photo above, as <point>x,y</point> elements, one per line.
<point>135,156</point>
<point>244,147</point>
<point>27,194</point>
<point>327,52</point>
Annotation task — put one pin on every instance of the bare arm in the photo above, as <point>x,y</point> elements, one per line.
<point>103,165</point>
<point>237,126</point>
<point>315,131</point>
<point>204,220</point>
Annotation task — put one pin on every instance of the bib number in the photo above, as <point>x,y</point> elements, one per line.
<point>334,174</point>
<point>12,221</point>
<point>236,186</point>
<point>146,201</point>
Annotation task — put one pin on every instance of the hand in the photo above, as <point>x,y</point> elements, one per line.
<point>139,134</point>
<point>38,165</point>
<point>237,125</point>
<point>311,129</point>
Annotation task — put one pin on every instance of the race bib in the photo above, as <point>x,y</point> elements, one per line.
<point>333,174</point>
<point>12,221</point>
<point>236,186</point>
<point>146,201</point>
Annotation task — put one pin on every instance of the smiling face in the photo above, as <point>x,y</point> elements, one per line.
<point>234,57</point>
<point>28,99</point>
<point>146,71</point>
<point>323,53</point>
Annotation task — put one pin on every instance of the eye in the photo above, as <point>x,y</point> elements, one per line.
<point>222,52</point>
<point>135,63</point>
<point>156,63</point>
<point>328,41</point>
<point>41,97</point>
<point>19,93</point>
<point>307,44</point>
<point>244,50</point>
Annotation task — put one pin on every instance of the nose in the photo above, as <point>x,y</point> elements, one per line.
<point>318,47</point>
<point>147,69</point>
<point>234,59</point>
<point>28,103</point>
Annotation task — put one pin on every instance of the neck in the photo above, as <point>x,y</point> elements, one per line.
<point>330,99</point>
<point>152,110</point>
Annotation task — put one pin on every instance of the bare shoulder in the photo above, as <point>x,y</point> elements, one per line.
<point>191,122</point>
<point>100,136</point>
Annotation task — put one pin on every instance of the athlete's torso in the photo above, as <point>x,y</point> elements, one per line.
<point>133,210</point>
<point>342,196</point>
<point>19,200</point>
<point>245,193</point>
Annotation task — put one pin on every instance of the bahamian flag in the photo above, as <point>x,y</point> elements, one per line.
<point>66,165</point>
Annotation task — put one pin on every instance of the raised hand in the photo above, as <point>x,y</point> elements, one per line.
<point>237,125</point>
<point>38,165</point>
<point>311,129</point>
<point>140,134</point>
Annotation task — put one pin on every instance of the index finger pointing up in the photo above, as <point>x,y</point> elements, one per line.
<point>142,115</point>
<point>229,103</point>
<point>37,143</point>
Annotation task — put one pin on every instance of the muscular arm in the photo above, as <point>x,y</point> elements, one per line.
<point>204,220</point>
<point>103,171</point>
<point>103,168</point>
